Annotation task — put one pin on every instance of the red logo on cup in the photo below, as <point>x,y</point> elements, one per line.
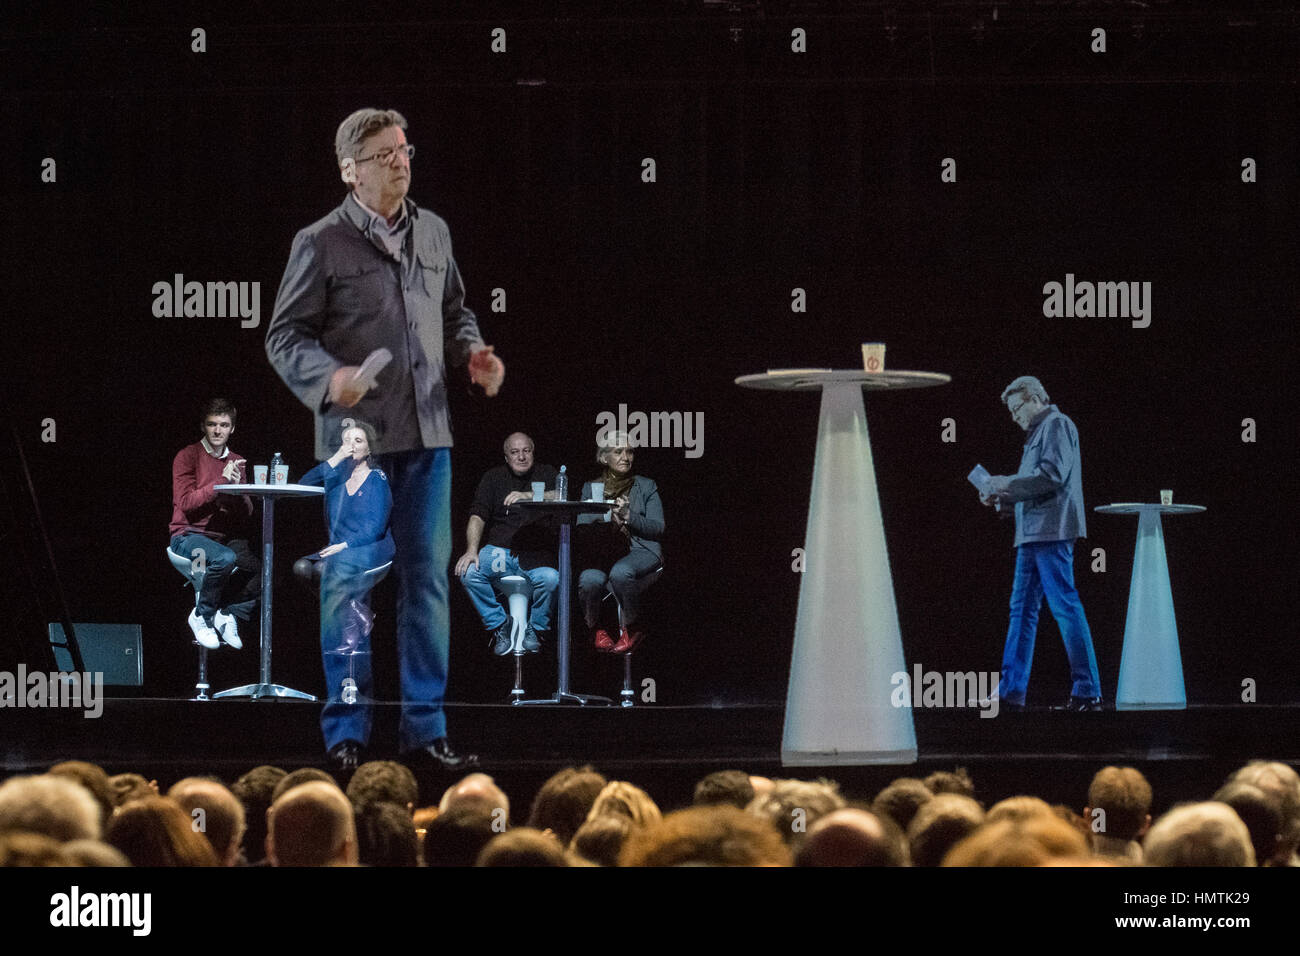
<point>873,364</point>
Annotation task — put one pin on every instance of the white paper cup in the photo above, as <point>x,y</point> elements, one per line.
<point>281,474</point>
<point>259,474</point>
<point>539,490</point>
<point>1166,497</point>
<point>597,491</point>
<point>873,356</point>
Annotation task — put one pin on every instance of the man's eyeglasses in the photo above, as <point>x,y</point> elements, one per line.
<point>385,156</point>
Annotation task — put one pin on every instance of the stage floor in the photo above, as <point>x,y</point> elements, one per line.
<point>1186,754</point>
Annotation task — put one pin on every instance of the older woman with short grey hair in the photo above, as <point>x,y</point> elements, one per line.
<point>625,546</point>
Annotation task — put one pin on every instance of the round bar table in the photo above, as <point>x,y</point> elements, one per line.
<point>847,644</point>
<point>268,493</point>
<point>566,512</point>
<point>1151,667</point>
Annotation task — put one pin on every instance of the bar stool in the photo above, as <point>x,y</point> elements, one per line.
<point>627,696</point>
<point>518,592</point>
<point>349,692</point>
<point>185,567</point>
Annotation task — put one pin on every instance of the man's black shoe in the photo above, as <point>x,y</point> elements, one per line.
<point>1080,704</point>
<point>345,755</point>
<point>440,750</point>
<point>531,642</point>
<point>501,642</point>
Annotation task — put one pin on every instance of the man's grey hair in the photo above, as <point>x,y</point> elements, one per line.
<point>1030,386</point>
<point>1199,834</point>
<point>54,806</point>
<point>361,124</point>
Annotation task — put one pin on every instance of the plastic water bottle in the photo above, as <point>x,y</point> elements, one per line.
<point>276,462</point>
<point>562,484</point>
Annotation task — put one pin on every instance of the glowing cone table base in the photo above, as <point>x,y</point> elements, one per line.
<point>1151,666</point>
<point>847,644</point>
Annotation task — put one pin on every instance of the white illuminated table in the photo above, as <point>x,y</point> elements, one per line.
<point>847,644</point>
<point>268,493</point>
<point>1151,667</point>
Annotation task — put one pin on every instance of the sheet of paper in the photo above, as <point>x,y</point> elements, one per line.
<point>375,363</point>
<point>979,477</point>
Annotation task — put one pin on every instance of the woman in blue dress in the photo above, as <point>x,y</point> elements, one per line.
<point>358,504</point>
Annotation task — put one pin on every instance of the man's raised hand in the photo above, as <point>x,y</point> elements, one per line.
<point>487,370</point>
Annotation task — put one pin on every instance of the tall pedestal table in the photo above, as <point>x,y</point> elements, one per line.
<point>847,645</point>
<point>566,512</point>
<point>268,494</point>
<point>1151,667</point>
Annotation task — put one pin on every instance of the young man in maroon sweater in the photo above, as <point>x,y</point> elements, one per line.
<point>210,529</point>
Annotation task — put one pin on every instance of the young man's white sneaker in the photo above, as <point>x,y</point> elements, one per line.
<point>203,633</point>
<point>227,628</point>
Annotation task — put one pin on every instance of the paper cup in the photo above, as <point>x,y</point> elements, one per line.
<point>1166,497</point>
<point>259,474</point>
<point>539,490</point>
<point>597,491</point>
<point>281,474</point>
<point>873,356</point>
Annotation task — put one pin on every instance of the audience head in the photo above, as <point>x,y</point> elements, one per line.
<point>901,799</point>
<point>628,800</point>
<point>383,781</point>
<point>456,838</point>
<point>523,846</point>
<point>1262,814</point>
<point>93,853</point>
<point>706,836</point>
<point>1199,834</point>
<point>792,806</point>
<point>601,839</point>
<point>939,824</point>
<point>1018,809</point>
<point>297,778</point>
<point>1031,841</point>
<point>57,807</point>
<point>951,781</point>
<point>1284,783</point>
<point>563,802</point>
<point>215,812</point>
<point>480,791</point>
<point>254,790</point>
<point>19,849</point>
<point>731,787</point>
<point>131,786</point>
<point>853,837</point>
<point>94,779</point>
<point>311,825</point>
<point>386,835</point>
<point>154,831</point>
<point>1124,796</point>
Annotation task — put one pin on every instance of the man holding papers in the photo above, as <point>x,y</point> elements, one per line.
<point>1047,491</point>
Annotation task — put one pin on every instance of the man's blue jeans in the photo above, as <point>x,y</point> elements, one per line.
<point>495,563</point>
<point>421,524</point>
<point>232,579</point>
<point>1046,569</point>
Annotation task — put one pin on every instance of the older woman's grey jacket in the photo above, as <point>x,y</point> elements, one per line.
<point>645,515</point>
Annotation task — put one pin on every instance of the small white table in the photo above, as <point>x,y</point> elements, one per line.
<point>1151,667</point>
<point>268,493</point>
<point>847,644</point>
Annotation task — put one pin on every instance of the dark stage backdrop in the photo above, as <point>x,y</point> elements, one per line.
<point>774,170</point>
